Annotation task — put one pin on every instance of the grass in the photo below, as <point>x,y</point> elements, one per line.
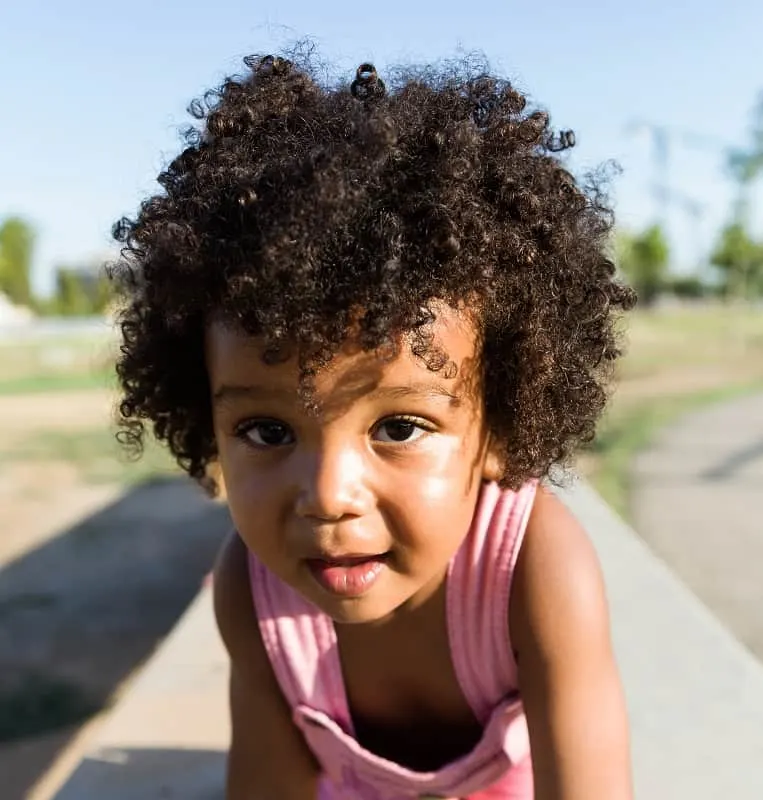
<point>678,361</point>
<point>102,378</point>
<point>63,363</point>
<point>69,363</point>
<point>96,455</point>
<point>622,436</point>
<point>663,340</point>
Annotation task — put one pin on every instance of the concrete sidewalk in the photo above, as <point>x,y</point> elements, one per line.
<point>698,503</point>
<point>167,737</point>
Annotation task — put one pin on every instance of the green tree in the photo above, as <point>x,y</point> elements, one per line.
<point>643,258</point>
<point>740,259</point>
<point>688,287</point>
<point>81,291</point>
<point>16,248</point>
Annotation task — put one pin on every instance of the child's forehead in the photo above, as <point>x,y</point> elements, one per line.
<point>233,355</point>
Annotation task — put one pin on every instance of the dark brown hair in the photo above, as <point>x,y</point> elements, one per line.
<point>295,204</point>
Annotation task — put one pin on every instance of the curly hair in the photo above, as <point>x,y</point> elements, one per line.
<point>295,204</point>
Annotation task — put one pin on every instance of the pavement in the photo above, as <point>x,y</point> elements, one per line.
<point>168,737</point>
<point>85,600</point>
<point>697,501</point>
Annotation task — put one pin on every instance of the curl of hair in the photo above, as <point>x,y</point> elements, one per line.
<point>295,204</point>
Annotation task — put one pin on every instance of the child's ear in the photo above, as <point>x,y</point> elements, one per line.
<point>492,466</point>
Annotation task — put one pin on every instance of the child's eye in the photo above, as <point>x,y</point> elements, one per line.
<point>266,433</point>
<point>400,429</point>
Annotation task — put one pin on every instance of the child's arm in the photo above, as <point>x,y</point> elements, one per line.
<point>268,758</point>
<point>569,681</point>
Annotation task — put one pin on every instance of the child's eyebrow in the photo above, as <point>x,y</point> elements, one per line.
<point>417,390</point>
<point>230,392</point>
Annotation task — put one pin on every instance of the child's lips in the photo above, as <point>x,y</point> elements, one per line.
<point>347,559</point>
<point>349,575</point>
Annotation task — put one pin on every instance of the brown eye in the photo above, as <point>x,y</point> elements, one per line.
<point>267,433</point>
<point>399,430</point>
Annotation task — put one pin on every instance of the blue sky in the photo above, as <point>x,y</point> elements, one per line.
<point>93,93</point>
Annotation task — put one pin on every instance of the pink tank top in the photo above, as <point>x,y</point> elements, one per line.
<point>302,645</point>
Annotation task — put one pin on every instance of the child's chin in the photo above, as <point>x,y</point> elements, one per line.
<point>358,610</point>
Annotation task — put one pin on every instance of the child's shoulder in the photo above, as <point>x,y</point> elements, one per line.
<point>558,596</point>
<point>553,533</point>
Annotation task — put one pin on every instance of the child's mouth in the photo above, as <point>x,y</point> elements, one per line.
<point>349,576</point>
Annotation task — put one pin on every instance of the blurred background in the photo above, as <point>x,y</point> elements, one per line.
<point>99,555</point>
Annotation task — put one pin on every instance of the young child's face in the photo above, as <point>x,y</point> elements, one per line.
<point>361,505</point>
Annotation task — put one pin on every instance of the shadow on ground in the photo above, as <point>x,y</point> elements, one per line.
<point>82,612</point>
<point>150,775</point>
<point>728,467</point>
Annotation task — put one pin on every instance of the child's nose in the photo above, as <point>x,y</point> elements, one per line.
<point>332,485</point>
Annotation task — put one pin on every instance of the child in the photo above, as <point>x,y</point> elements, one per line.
<point>387,314</point>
